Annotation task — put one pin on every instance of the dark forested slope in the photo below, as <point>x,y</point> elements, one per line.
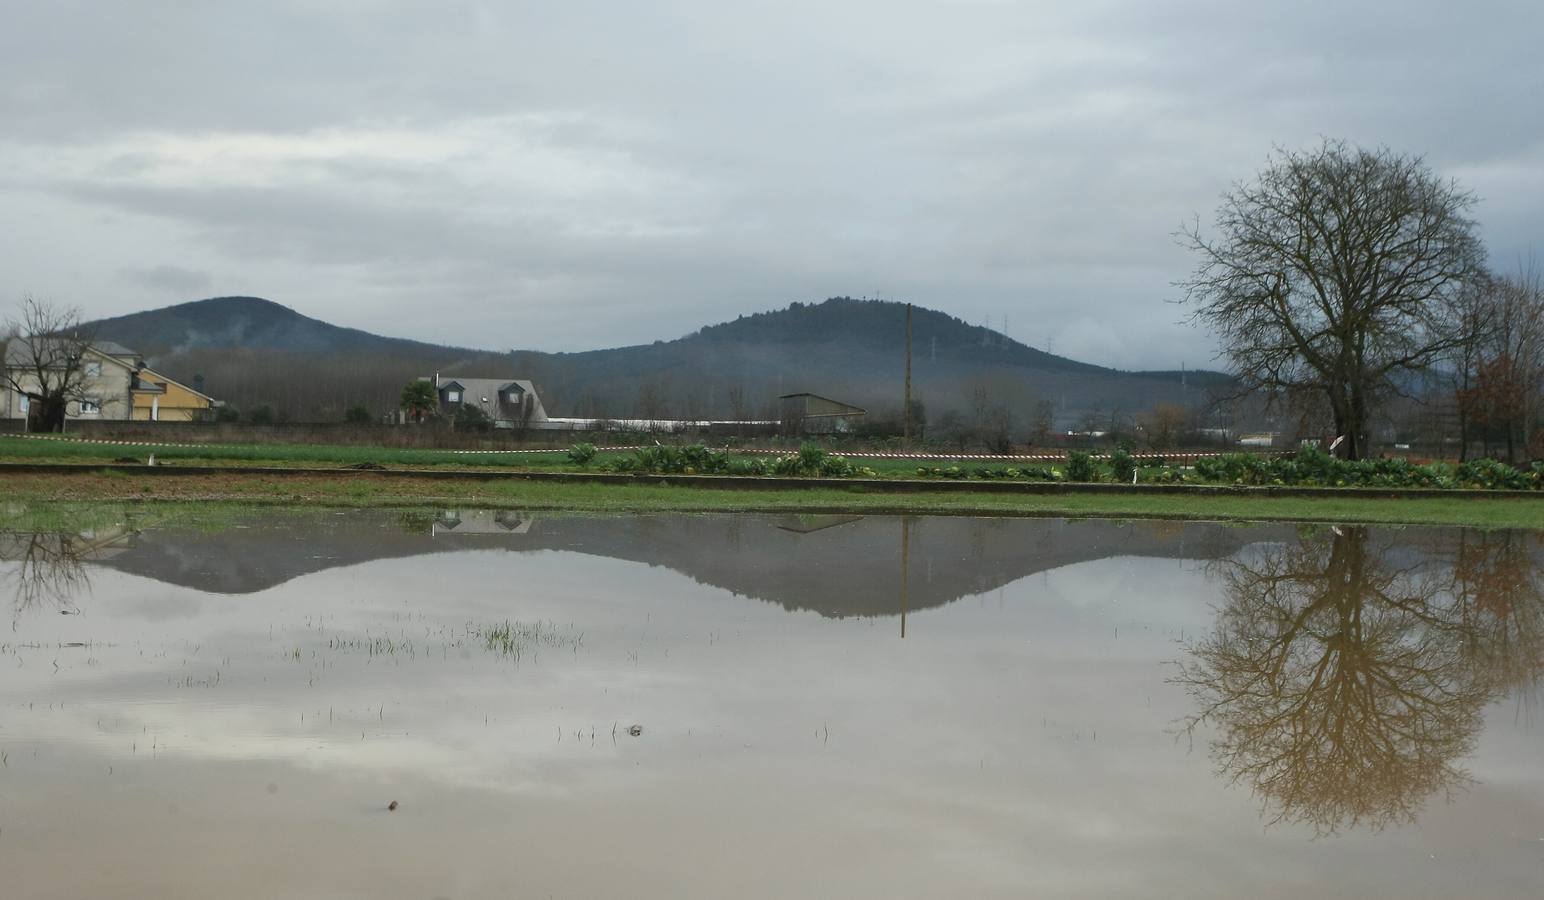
<point>253,351</point>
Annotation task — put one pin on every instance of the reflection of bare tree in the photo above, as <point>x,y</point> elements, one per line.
<point>1497,591</point>
<point>1345,690</point>
<point>46,571</point>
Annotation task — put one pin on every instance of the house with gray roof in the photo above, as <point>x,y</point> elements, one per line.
<point>101,380</point>
<point>507,402</point>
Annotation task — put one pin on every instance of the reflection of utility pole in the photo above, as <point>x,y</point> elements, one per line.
<point>905,569</point>
<point>907,435</point>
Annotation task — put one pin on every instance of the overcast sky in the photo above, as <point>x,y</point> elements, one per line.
<point>571,175</point>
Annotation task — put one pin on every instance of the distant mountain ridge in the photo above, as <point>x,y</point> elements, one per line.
<point>871,324</point>
<point>250,350</point>
<point>246,322</point>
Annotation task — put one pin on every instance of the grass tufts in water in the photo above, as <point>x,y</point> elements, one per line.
<point>511,639</point>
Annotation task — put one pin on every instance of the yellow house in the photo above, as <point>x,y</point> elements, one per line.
<point>160,399</point>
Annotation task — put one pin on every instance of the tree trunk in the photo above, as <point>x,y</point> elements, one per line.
<point>1463,436</point>
<point>47,414</point>
<point>1348,412</point>
<point>1359,437</point>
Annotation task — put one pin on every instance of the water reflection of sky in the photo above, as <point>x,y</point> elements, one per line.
<point>1019,740</point>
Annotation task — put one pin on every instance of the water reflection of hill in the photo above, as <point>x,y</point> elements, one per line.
<point>836,566</point>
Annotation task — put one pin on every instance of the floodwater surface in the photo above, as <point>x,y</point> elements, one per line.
<point>759,706</point>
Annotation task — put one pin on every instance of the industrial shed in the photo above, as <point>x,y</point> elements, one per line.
<point>814,414</point>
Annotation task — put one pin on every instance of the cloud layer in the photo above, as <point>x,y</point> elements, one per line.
<point>588,174</point>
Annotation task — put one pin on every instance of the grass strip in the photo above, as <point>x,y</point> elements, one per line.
<point>34,491</point>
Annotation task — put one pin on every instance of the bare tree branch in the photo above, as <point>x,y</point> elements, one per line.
<point>46,361</point>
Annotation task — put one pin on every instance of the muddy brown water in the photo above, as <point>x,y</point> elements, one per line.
<point>825,707</point>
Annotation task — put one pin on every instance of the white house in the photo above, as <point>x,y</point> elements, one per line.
<point>104,389</point>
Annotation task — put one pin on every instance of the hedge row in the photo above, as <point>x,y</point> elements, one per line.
<point>811,461</point>
<point>1310,467</point>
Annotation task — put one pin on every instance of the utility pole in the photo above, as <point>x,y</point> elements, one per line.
<point>907,436</point>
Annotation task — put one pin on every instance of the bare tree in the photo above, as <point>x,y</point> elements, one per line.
<point>45,361</point>
<point>1044,422</point>
<point>953,428</point>
<point>652,400</point>
<point>1516,354</point>
<point>1336,271</point>
<point>1119,424</point>
<point>1474,320</point>
<point>1497,366</point>
<point>738,408</point>
<point>991,422</point>
<point>1167,424</point>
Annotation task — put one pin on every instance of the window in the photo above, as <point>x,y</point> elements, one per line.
<point>90,406</point>
<point>93,369</point>
<point>452,396</point>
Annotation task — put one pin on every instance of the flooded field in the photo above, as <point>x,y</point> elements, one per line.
<point>473,704</point>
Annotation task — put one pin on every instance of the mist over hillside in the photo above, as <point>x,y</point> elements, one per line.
<point>252,351</point>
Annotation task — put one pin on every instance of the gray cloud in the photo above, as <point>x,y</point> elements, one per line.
<point>171,279</point>
<point>596,173</point>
